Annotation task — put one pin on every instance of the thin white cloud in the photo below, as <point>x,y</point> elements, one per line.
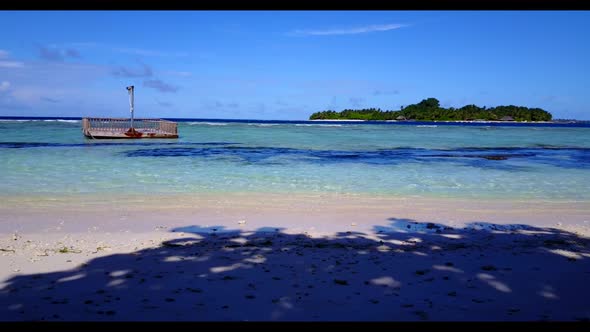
<point>144,71</point>
<point>4,85</point>
<point>11,64</point>
<point>350,31</point>
<point>164,103</point>
<point>160,85</point>
<point>50,100</point>
<point>81,44</point>
<point>5,63</point>
<point>178,73</point>
<point>56,80</point>
<point>144,52</point>
<point>119,49</point>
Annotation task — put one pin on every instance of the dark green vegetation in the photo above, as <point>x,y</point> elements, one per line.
<point>430,110</point>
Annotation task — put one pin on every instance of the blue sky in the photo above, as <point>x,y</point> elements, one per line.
<point>289,64</point>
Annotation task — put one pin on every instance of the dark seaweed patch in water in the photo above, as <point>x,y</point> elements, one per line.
<point>22,145</point>
<point>488,157</point>
<point>496,158</point>
<point>249,154</point>
<point>503,158</point>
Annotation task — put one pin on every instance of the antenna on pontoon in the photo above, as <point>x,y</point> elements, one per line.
<point>130,89</point>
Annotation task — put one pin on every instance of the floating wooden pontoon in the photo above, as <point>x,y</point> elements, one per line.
<point>122,128</point>
<point>128,128</point>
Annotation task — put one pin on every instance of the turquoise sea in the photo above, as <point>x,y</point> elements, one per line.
<point>52,157</point>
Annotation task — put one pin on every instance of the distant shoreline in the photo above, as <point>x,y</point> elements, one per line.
<point>450,121</point>
<point>29,118</point>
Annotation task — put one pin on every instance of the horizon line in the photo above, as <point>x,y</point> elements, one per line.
<point>20,117</point>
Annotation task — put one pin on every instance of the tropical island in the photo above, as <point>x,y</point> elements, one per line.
<point>430,110</point>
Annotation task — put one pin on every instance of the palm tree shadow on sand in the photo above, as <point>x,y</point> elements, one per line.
<point>406,271</point>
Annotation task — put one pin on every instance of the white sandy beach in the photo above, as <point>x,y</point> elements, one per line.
<point>297,257</point>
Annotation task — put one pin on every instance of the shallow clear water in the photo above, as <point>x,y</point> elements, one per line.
<point>42,157</point>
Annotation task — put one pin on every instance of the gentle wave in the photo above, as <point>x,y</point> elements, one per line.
<point>317,125</point>
<point>207,124</point>
<point>263,124</point>
<point>60,120</point>
<point>426,126</point>
<point>38,120</point>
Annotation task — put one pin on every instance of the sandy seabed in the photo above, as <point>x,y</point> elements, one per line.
<point>265,257</point>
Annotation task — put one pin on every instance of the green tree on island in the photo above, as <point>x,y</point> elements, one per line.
<point>430,110</point>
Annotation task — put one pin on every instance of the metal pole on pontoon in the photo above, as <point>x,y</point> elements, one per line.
<point>130,89</point>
